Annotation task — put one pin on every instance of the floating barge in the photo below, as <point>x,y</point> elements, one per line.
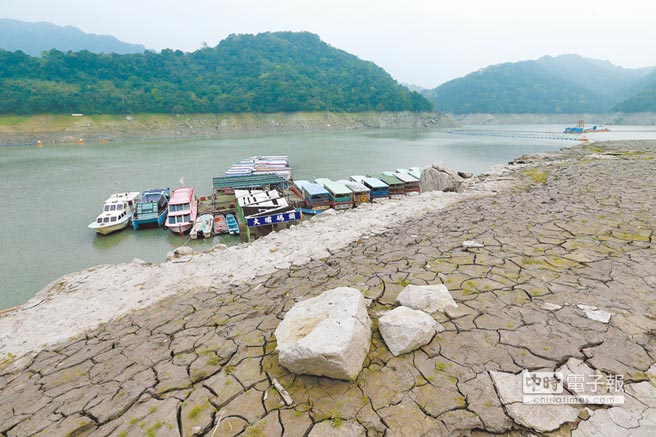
<point>341,197</point>
<point>377,188</point>
<point>396,186</point>
<point>361,194</point>
<point>315,196</point>
<point>410,183</point>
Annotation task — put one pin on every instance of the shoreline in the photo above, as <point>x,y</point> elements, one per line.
<point>88,301</point>
<point>68,129</point>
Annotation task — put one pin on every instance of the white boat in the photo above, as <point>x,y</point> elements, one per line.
<point>117,213</point>
<point>202,227</point>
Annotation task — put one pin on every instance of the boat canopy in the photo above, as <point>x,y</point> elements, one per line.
<point>374,183</point>
<point>336,188</point>
<point>301,184</point>
<point>315,190</point>
<point>390,180</point>
<point>404,177</point>
<point>182,195</point>
<point>356,187</point>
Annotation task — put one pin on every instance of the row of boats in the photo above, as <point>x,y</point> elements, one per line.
<point>324,193</point>
<point>176,211</point>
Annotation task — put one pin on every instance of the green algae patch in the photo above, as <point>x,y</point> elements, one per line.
<point>537,175</point>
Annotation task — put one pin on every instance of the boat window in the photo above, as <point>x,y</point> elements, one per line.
<point>106,220</point>
<point>113,219</point>
<point>119,207</point>
<point>113,208</point>
<point>187,218</point>
<point>99,220</point>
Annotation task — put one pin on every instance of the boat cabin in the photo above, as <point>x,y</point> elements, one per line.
<point>341,197</point>
<point>410,183</point>
<point>378,189</point>
<point>396,186</point>
<point>316,196</point>
<point>361,194</point>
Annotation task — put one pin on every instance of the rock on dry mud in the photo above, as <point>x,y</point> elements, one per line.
<point>541,418</point>
<point>438,177</point>
<point>404,329</point>
<point>328,335</point>
<point>428,298</point>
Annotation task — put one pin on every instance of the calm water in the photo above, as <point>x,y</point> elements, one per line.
<point>51,194</point>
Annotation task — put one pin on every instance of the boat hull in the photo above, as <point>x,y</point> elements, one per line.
<point>104,230</point>
<point>181,228</point>
<point>159,220</point>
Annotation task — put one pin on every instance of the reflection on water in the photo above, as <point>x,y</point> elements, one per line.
<point>54,192</point>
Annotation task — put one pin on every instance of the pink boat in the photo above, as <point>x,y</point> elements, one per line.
<point>182,210</point>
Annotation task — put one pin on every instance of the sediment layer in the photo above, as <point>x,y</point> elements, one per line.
<point>142,127</point>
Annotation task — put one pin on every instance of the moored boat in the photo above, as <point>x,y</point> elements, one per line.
<point>116,214</point>
<point>220,225</point>
<point>378,189</point>
<point>202,227</point>
<point>361,194</point>
<point>341,197</point>
<point>233,226</point>
<point>152,207</point>
<point>182,210</point>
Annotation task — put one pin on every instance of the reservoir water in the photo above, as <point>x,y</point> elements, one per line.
<point>49,195</point>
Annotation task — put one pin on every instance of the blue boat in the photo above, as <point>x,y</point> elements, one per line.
<point>233,226</point>
<point>152,207</point>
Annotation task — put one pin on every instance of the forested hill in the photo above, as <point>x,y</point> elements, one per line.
<point>561,84</point>
<point>268,72</point>
<point>34,38</point>
<point>642,101</point>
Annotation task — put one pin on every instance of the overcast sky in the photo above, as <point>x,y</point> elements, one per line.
<point>423,42</point>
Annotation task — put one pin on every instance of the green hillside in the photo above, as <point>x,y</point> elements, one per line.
<point>268,72</point>
<point>562,84</point>
<point>644,100</point>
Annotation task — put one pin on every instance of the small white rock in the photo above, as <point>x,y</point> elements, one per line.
<point>404,329</point>
<point>468,244</point>
<point>593,313</point>
<point>551,306</point>
<point>428,298</point>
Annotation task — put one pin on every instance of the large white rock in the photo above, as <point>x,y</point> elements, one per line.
<point>438,177</point>
<point>542,418</point>
<point>405,329</point>
<point>328,335</point>
<point>428,298</point>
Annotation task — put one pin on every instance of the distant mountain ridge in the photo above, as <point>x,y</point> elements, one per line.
<point>264,73</point>
<point>549,85</point>
<point>34,38</point>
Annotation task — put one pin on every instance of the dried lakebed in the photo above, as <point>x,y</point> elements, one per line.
<point>573,229</point>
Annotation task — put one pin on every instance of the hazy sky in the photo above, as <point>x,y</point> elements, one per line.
<point>417,42</point>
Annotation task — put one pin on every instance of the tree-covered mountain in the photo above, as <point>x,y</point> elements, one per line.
<point>34,38</point>
<point>644,100</point>
<point>268,72</point>
<point>562,84</point>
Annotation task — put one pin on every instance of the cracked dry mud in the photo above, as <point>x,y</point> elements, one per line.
<point>203,362</point>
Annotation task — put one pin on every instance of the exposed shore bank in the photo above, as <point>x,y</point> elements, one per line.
<point>143,127</point>
<point>616,118</point>
<point>564,281</point>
